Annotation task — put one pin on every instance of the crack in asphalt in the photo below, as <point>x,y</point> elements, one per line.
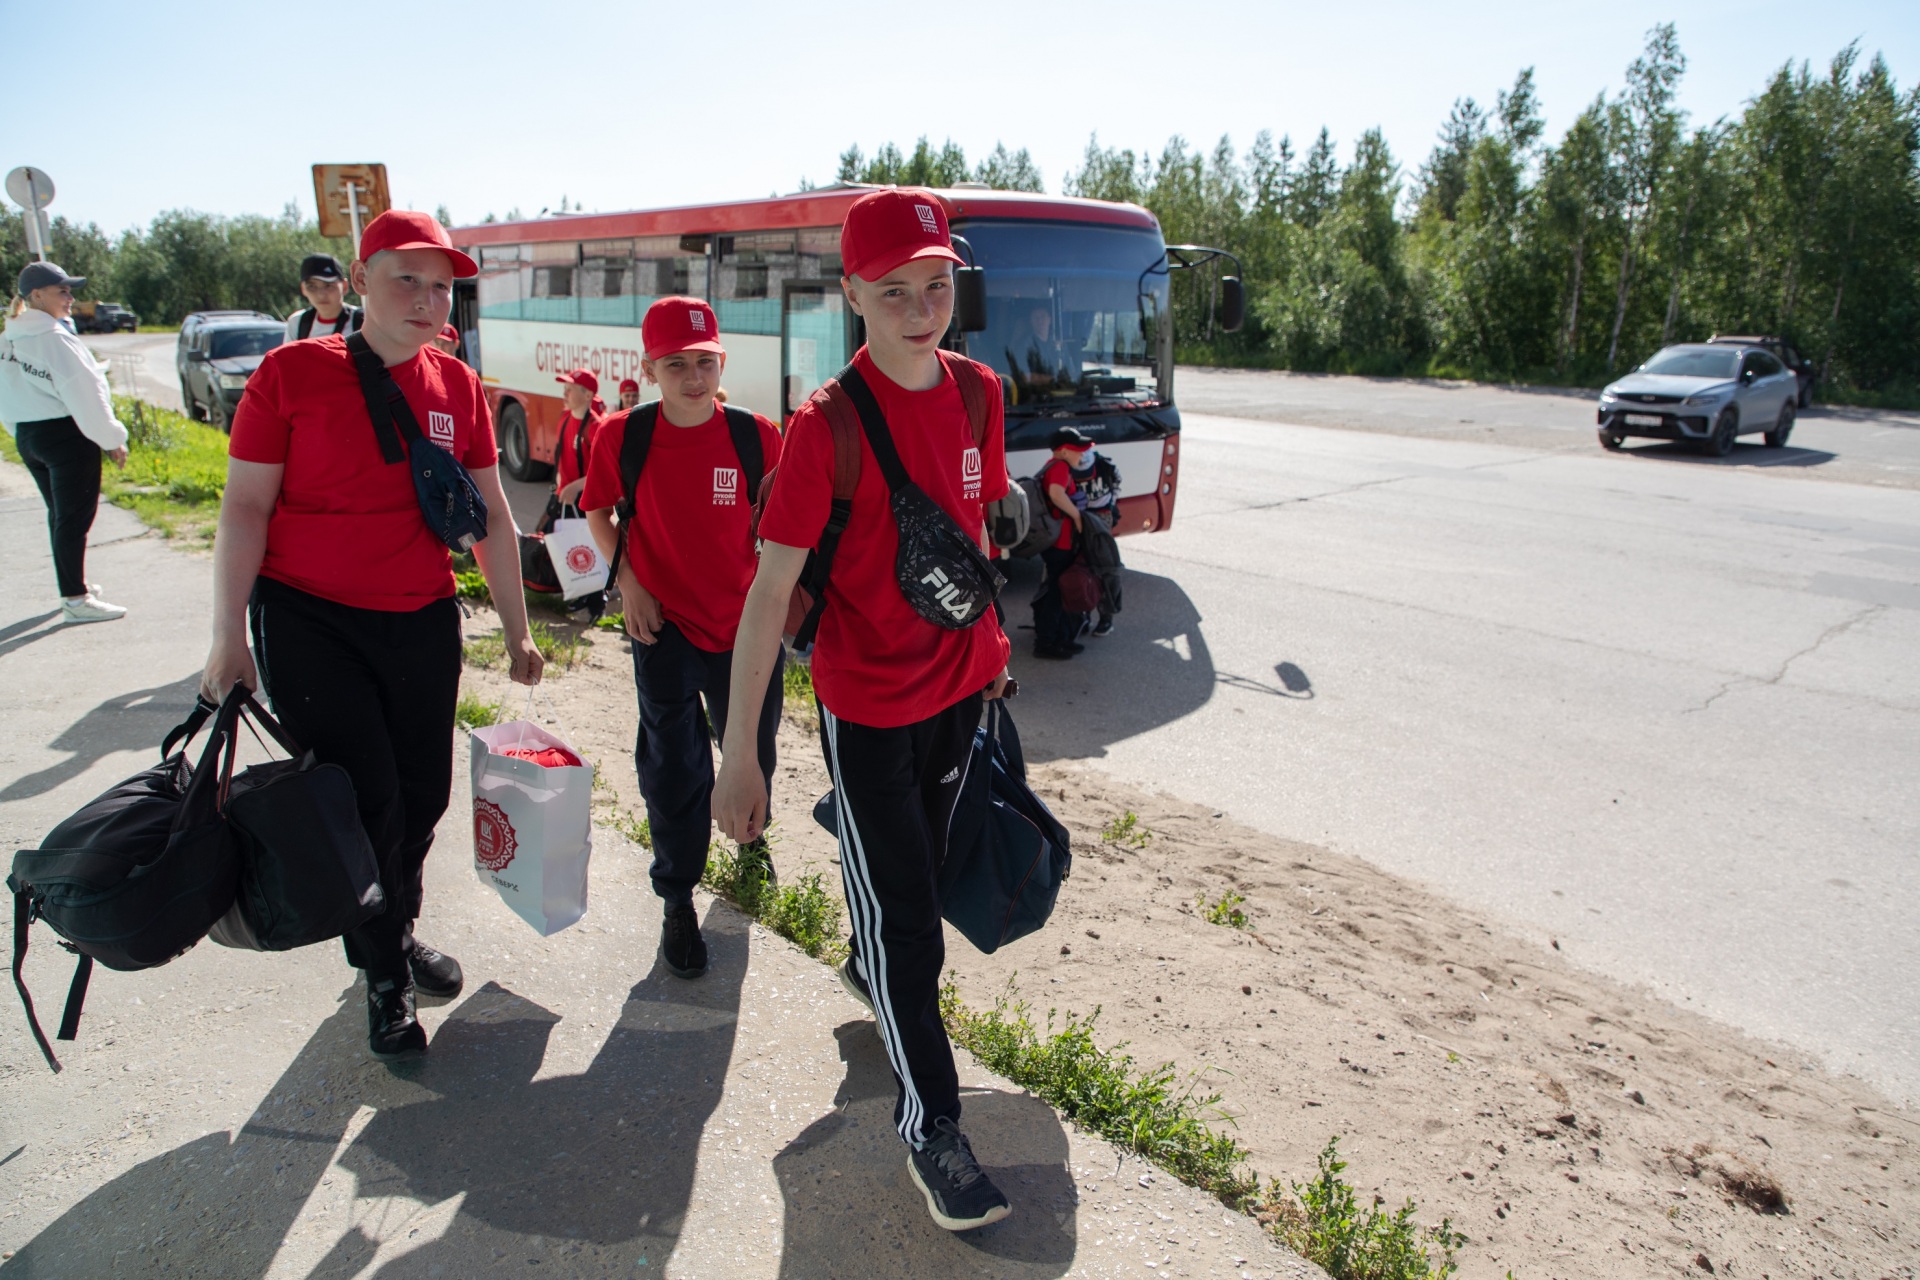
<point>1833,632</point>
<point>1372,484</point>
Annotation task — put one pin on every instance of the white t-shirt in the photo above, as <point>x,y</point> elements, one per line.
<point>321,328</point>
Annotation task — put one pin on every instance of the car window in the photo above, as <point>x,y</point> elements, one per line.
<point>230,343</point>
<point>1693,362</point>
<point>1765,364</point>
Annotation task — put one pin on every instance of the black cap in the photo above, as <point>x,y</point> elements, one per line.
<point>38,275</point>
<point>1069,437</point>
<point>321,266</point>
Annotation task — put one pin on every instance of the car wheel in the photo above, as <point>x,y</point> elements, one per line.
<point>1610,441</point>
<point>217,414</point>
<point>1806,395</point>
<point>1782,428</point>
<point>1726,428</point>
<point>516,450</point>
<point>187,403</point>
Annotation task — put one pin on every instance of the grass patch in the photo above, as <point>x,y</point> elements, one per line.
<point>475,712</point>
<point>796,695</point>
<point>1225,911</point>
<point>1127,831</point>
<point>1158,1115</point>
<point>484,651</point>
<point>610,622</point>
<point>637,830</point>
<point>471,584</point>
<point>804,912</point>
<point>562,649</point>
<point>176,471</point>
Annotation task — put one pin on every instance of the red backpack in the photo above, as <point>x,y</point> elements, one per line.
<point>809,597</point>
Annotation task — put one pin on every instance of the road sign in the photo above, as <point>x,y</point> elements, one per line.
<point>349,196</point>
<point>32,190</point>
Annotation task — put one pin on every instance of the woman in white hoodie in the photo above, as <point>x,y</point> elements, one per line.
<point>55,401</point>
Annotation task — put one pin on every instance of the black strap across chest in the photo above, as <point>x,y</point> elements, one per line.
<point>394,425</point>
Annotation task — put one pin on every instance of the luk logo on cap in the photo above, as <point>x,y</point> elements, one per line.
<point>928,223</point>
<point>726,486</point>
<point>698,321</point>
<point>440,428</point>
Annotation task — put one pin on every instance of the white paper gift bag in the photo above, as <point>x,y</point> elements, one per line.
<point>576,558</point>
<point>532,825</point>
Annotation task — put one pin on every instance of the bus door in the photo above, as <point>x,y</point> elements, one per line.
<point>465,318</point>
<point>814,339</point>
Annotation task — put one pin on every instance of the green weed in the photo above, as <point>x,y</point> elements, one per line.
<point>1225,912</point>
<point>484,651</point>
<point>471,584</point>
<point>474,712</point>
<point>610,622</point>
<point>1362,1242</point>
<point>804,911</point>
<point>561,649</point>
<point>637,830</point>
<point>1126,830</point>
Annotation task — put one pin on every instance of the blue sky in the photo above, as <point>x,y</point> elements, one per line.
<point>488,106</point>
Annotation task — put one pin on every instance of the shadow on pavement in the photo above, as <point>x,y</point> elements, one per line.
<point>583,1172</point>
<point>853,1211</point>
<point>125,722</point>
<point>20,634</point>
<point>1154,669</point>
<point>1743,455</point>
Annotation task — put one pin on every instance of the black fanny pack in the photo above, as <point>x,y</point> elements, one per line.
<point>942,571</point>
<point>449,501</point>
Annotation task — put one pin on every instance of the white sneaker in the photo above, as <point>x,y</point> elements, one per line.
<point>90,608</point>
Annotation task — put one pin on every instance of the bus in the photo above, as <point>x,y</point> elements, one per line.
<point>1070,303</point>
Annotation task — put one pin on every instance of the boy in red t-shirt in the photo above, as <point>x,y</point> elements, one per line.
<point>900,697</point>
<point>629,394</point>
<point>684,574</point>
<point>579,430</point>
<point>1054,630</point>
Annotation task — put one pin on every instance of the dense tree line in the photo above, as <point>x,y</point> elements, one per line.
<point>1505,255</point>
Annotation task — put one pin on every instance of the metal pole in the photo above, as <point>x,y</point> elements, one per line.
<point>353,215</point>
<point>34,241</point>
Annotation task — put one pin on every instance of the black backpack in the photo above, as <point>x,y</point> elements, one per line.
<point>353,315</point>
<point>636,440</point>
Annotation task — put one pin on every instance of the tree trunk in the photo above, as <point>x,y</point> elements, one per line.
<point>1573,305</point>
<point>1679,270</point>
<point>1620,300</point>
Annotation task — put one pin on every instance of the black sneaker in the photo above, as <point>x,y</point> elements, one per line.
<point>392,1030</point>
<point>959,1196</point>
<point>681,946</point>
<point>435,973</point>
<point>1103,628</point>
<point>855,985</point>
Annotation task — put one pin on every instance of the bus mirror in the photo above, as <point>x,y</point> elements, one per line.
<point>1233,303</point>
<point>969,299</point>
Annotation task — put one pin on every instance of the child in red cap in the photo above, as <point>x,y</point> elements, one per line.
<point>629,394</point>
<point>574,449</point>
<point>683,471</point>
<point>900,697</point>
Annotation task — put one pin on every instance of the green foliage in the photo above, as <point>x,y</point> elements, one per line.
<point>1356,1242</point>
<point>1224,911</point>
<point>474,712</point>
<point>637,829</point>
<point>610,622</point>
<point>1127,831</point>
<point>562,648</point>
<point>804,911</point>
<point>471,584</point>
<point>796,686</point>
<point>926,167</point>
<point>484,650</point>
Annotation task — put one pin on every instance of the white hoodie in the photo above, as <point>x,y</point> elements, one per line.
<point>47,372</point>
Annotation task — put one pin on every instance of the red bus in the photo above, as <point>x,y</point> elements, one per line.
<point>1076,316</point>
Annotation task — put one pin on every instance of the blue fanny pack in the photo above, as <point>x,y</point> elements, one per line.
<point>449,501</point>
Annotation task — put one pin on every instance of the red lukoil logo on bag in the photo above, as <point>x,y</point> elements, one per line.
<point>580,559</point>
<point>494,843</point>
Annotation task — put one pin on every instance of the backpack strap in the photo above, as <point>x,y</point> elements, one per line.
<point>307,319</point>
<point>874,423</point>
<point>843,425</point>
<point>745,430</point>
<point>393,422</point>
<point>968,377</point>
<point>636,440</point>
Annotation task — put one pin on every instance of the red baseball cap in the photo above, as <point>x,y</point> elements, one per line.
<point>410,229</point>
<point>679,324</point>
<point>892,227</point>
<point>628,384</point>
<point>581,378</point>
<point>449,334</point>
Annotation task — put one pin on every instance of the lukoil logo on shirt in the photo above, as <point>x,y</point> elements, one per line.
<point>928,223</point>
<point>726,486</point>
<point>440,428</point>
<point>970,473</point>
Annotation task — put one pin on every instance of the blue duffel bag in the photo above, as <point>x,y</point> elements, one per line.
<point>1007,855</point>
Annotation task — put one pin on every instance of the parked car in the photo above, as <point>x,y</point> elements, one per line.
<point>193,321</point>
<point>1782,350</point>
<point>103,317</point>
<point>221,356</point>
<point>1705,394</point>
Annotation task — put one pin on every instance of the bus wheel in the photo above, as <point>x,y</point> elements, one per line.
<point>516,450</point>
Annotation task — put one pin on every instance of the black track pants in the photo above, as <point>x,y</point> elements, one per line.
<point>374,693</point>
<point>895,790</point>
<point>66,467</point>
<point>673,750</point>
<point>1053,626</point>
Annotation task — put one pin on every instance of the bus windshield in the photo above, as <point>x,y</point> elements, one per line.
<point>1064,312</point>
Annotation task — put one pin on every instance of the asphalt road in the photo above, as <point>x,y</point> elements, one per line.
<point>1658,707</point>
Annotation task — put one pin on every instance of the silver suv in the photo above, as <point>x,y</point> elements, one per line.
<point>1705,394</point>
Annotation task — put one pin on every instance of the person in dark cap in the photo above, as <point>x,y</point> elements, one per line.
<point>324,284</point>
<point>1054,631</point>
<point>55,401</point>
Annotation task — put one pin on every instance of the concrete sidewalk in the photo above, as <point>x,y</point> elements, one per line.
<point>582,1112</point>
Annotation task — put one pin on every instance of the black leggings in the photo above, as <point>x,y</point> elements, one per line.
<point>1053,627</point>
<point>894,792</point>
<point>66,466</point>
<point>374,693</point>
<point>673,750</point>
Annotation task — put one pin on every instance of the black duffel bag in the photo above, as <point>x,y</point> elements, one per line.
<point>1007,855</point>
<point>139,874</point>
<point>308,873</point>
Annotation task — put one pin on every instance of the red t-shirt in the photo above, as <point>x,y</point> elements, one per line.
<point>347,526</point>
<point>1057,472</point>
<point>566,454</point>
<point>691,541</point>
<point>877,662</point>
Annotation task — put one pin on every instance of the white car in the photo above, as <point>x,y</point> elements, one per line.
<point>1705,394</point>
